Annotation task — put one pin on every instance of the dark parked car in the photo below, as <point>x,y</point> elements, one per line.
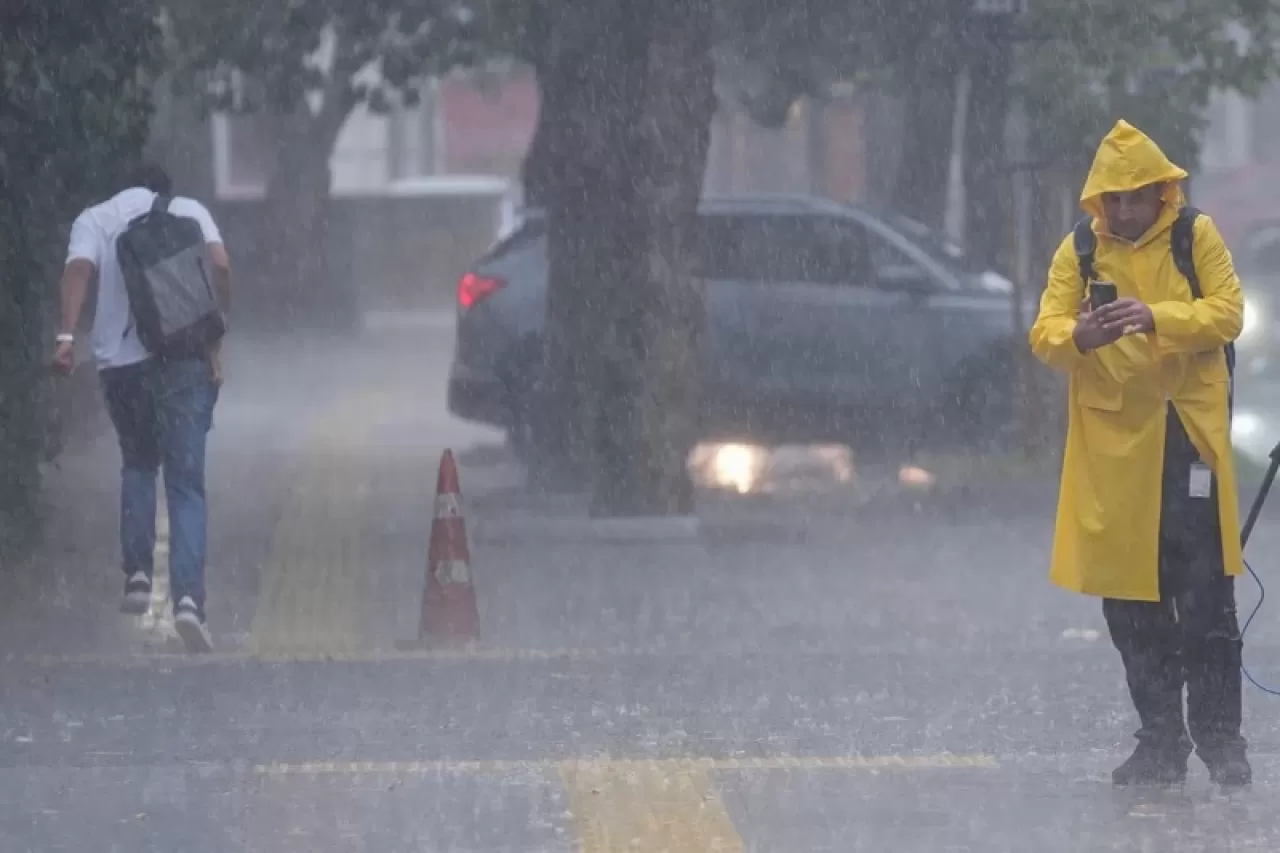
<point>825,323</point>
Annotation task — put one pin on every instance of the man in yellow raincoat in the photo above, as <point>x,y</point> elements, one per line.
<point>1147,512</point>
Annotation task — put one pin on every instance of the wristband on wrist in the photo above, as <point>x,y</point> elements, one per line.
<point>65,338</point>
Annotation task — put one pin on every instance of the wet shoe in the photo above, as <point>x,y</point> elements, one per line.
<point>1151,766</point>
<point>1231,770</point>
<point>137,594</point>
<point>190,625</point>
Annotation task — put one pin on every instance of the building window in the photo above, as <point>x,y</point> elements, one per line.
<point>250,149</point>
<point>242,154</point>
<point>413,138</point>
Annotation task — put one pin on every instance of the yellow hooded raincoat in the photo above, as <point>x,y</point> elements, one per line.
<point>1106,541</point>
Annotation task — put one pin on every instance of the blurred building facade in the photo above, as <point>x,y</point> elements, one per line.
<point>1239,177</point>
<point>481,124</point>
<point>420,191</point>
<point>466,140</point>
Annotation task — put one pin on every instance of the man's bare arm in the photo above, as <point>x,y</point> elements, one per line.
<point>221,274</point>
<point>74,288</point>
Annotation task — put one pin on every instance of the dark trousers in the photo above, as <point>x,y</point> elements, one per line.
<point>1192,635</point>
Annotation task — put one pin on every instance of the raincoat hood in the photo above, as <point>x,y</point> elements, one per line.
<point>1127,160</point>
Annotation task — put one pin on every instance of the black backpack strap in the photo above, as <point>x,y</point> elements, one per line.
<point>1182,242</point>
<point>1086,243</point>
<point>161,204</point>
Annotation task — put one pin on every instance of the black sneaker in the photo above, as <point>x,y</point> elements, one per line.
<point>137,594</point>
<point>190,625</point>
<point>1150,765</point>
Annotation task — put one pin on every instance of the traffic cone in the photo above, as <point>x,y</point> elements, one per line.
<point>449,612</point>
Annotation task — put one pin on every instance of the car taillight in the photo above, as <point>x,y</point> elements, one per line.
<point>473,288</point>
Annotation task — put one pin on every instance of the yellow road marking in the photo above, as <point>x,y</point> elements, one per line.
<point>630,805</point>
<point>665,805</point>
<point>157,622</point>
<point>315,586</point>
<point>498,655</point>
<point>619,808</point>
<point>940,761</point>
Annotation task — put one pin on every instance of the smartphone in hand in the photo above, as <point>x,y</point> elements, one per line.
<point>1102,293</point>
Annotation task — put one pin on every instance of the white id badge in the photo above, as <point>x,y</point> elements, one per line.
<point>1201,480</point>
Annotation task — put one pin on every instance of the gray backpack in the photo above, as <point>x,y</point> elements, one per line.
<point>166,273</point>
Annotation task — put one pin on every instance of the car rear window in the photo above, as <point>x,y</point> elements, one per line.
<point>532,229</point>
<point>746,247</point>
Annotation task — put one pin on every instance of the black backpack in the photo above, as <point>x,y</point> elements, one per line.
<point>1182,241</point>
<point>166,273</point>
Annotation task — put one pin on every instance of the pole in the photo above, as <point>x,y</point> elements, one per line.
<point>1026,387</point>
<point>956,200</point>
<point>1256,509</point>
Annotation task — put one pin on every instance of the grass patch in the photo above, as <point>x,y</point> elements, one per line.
<point>987,468</point>
<point>1013,467</point>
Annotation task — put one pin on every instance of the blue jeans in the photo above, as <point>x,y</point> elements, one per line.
<point>162,411</point>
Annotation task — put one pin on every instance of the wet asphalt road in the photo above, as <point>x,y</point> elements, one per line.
<point>833,670</point>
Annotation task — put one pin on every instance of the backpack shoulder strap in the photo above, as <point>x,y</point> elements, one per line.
<point>1182,241</point>
<point>1086,243</point>
<point>161,203</point>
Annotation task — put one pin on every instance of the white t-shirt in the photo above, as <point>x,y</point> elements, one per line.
<point>93,238</point>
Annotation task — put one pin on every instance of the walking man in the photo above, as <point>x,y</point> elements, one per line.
<point>1147,513</point>
<point>160,403</point>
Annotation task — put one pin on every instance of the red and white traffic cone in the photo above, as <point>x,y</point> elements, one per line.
<point>449,613</point>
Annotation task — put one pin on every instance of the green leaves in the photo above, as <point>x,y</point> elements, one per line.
<point>74,106</point>
<point>1154,63</point>
<point>802,47</point>
<point>1087,63</point>
<point>272,54</point>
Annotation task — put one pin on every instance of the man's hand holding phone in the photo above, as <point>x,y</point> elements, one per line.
<point>1091,331</point>
<point>1128,316</point>
<point>1105,318</point>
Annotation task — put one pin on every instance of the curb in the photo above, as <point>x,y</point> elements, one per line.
<point>515,519</point>
<point>526,527</point>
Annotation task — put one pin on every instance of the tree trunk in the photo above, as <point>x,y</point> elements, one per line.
<point>557,180</point>
<point>546,159</point>
<point>645,454</point>
<point>929,104</point>
<point>295,247</point>
<point>535,172</point>
<point>987,179</point>
<point>540,168</point>
<point>624,315</point>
